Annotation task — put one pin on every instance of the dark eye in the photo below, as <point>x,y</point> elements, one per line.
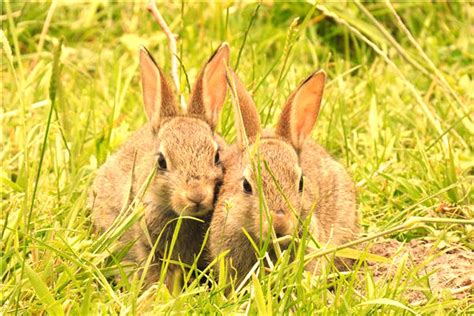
<point>161,162</point>
<point>300,187</point>
<point>217,158</point>
<point>247,187</point>
<point>217,188</point>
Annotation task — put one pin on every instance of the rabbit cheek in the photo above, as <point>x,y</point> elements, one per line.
<point>262,228</point>
<point>159,193</point>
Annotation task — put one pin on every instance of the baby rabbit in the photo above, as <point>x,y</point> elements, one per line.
<point>186,153</point>
<point>306,174</point>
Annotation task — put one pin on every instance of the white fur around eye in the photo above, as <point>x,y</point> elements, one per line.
<point>248,173</point>
<point>161,149</point>
<point>299,172</point>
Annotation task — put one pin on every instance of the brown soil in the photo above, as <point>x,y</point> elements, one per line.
<point>448,269</point>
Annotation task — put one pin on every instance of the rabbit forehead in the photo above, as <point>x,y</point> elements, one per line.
<point>186,134</point>
<point>276,150</point>
<point>282,160</point>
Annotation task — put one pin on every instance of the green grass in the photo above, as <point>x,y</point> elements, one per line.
<point>397,111</point>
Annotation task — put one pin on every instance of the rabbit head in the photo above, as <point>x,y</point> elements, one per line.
<point>281,176</point>
<point>186,149</point>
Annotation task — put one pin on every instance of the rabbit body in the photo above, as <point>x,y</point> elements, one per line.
<point>120,179</point>
<point>181,153</point>
<point>307,178</point>
<point>331,187</point>
<point>329,192</point>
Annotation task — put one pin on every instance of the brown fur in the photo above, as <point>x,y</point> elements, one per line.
<point>188,185</point>
<point>288,152</point>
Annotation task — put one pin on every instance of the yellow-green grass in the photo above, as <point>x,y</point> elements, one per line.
<point>397,112</point>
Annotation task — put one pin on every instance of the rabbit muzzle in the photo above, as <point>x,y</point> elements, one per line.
<point>283,223</point>
<point>194,199</point>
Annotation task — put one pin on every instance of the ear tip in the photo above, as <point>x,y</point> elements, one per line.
<point>222,52</point>
<point>224,48</point>
<point>142,50</point>
<point>320,73</point>
<point>146,56</point>
<point>225,45</point>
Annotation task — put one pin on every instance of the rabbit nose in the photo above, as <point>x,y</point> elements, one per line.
<point>196,196</point>
<point>281,223</point>
<point>280,212</point>
<point>281,229</point>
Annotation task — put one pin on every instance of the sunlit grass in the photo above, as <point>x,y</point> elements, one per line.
<point>397,112</point>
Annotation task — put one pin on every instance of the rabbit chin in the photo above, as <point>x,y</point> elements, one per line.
<point>284,240</point>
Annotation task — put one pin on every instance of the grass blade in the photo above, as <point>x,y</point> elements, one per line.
<point>52,94</point>
<point>388,302</point>
<point>41,289</point>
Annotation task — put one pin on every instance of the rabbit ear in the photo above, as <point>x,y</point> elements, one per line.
<point>209,91</point>
<point>247,119</point>
<point>301,110</point>
<point>157,94</point>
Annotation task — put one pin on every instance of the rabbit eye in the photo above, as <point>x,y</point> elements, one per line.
<point>162,162</point>
<point>217,159</point>
<point>300,187</point>
<point>217,188</point>
<point>247,187</point>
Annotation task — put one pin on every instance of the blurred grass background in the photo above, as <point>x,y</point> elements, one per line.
<point>397,111</point>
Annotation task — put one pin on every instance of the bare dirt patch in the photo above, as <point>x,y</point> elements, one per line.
<point>448,269</point>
